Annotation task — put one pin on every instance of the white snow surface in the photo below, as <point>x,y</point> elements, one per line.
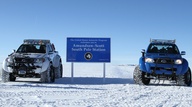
<point>89,89</point>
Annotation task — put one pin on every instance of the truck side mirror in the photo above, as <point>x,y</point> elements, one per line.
<point>53,46</point>
<point>183,53</point>
<point>143,52</point>
<point>13,50</point>
<point>56,52</point>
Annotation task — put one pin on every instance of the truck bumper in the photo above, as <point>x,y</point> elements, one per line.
<point>165,69</point>
<point>25,69</point>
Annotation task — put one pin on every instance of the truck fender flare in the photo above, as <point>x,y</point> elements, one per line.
<point>56,61</point>
<point>185,66</point>
<point>46,64</point>
<point>142,64</point>
<point>4,65</point>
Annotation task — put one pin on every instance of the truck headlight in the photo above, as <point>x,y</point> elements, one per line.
<point>178,61</point>
<point>40,60</point>
<point>9,60</point>
<point>149,60</point>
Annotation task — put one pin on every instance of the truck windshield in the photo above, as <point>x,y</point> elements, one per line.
<point>31,48</point>
<point>163,48</point>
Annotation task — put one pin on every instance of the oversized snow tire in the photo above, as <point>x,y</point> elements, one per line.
<point>180,80</point>
<point>145,80</point>
<point>12,77</point>
<point>135,75</point>
<point>184,80</point>
<point>45,77</point>
<point>187,77</point>
<point>5,76</point>
<point>139,77</point>
<point>52,74</point>
<point>59,71</point>
<point>48,76</point>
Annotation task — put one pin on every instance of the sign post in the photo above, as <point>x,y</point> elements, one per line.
<point>104,71</point>
<point>88,50</point>
<point>72,72</point>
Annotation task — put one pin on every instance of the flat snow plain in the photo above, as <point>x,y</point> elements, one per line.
<point>89,89</point>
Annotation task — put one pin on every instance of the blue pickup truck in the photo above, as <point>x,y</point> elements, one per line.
<point>162,60</point>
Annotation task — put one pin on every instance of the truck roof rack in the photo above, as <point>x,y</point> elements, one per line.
<point>36,41</point>
<point>162,41</point>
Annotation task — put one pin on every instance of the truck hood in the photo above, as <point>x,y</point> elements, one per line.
<point>163,55</point>
<point>28,55</point>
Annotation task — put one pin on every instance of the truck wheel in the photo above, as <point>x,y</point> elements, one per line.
<point>52,74</point>
<point>12,77</point>
<point>180,80</point>
<point>5,76</point>
<point>139,77</point>
<point>135,75</point>
<point>145,80</point>
<point>187,77</point>
<point>48,76</point>
<point>59,71</point>
<point>184,80</point>
<point>45,78</point>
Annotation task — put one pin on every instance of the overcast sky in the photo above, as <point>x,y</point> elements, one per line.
<point>129,23</point>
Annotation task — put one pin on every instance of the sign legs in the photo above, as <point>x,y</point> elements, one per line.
<point>104,72</point>
<point>72,71</point>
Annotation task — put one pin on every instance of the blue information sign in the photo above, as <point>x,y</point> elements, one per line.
<point>88,49</point>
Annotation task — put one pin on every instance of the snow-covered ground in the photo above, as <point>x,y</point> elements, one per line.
<point>88,89</point>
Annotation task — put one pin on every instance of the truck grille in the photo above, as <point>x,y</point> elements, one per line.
<point>24,60</point>
<point>164,61</point>
<point>162,68</point>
